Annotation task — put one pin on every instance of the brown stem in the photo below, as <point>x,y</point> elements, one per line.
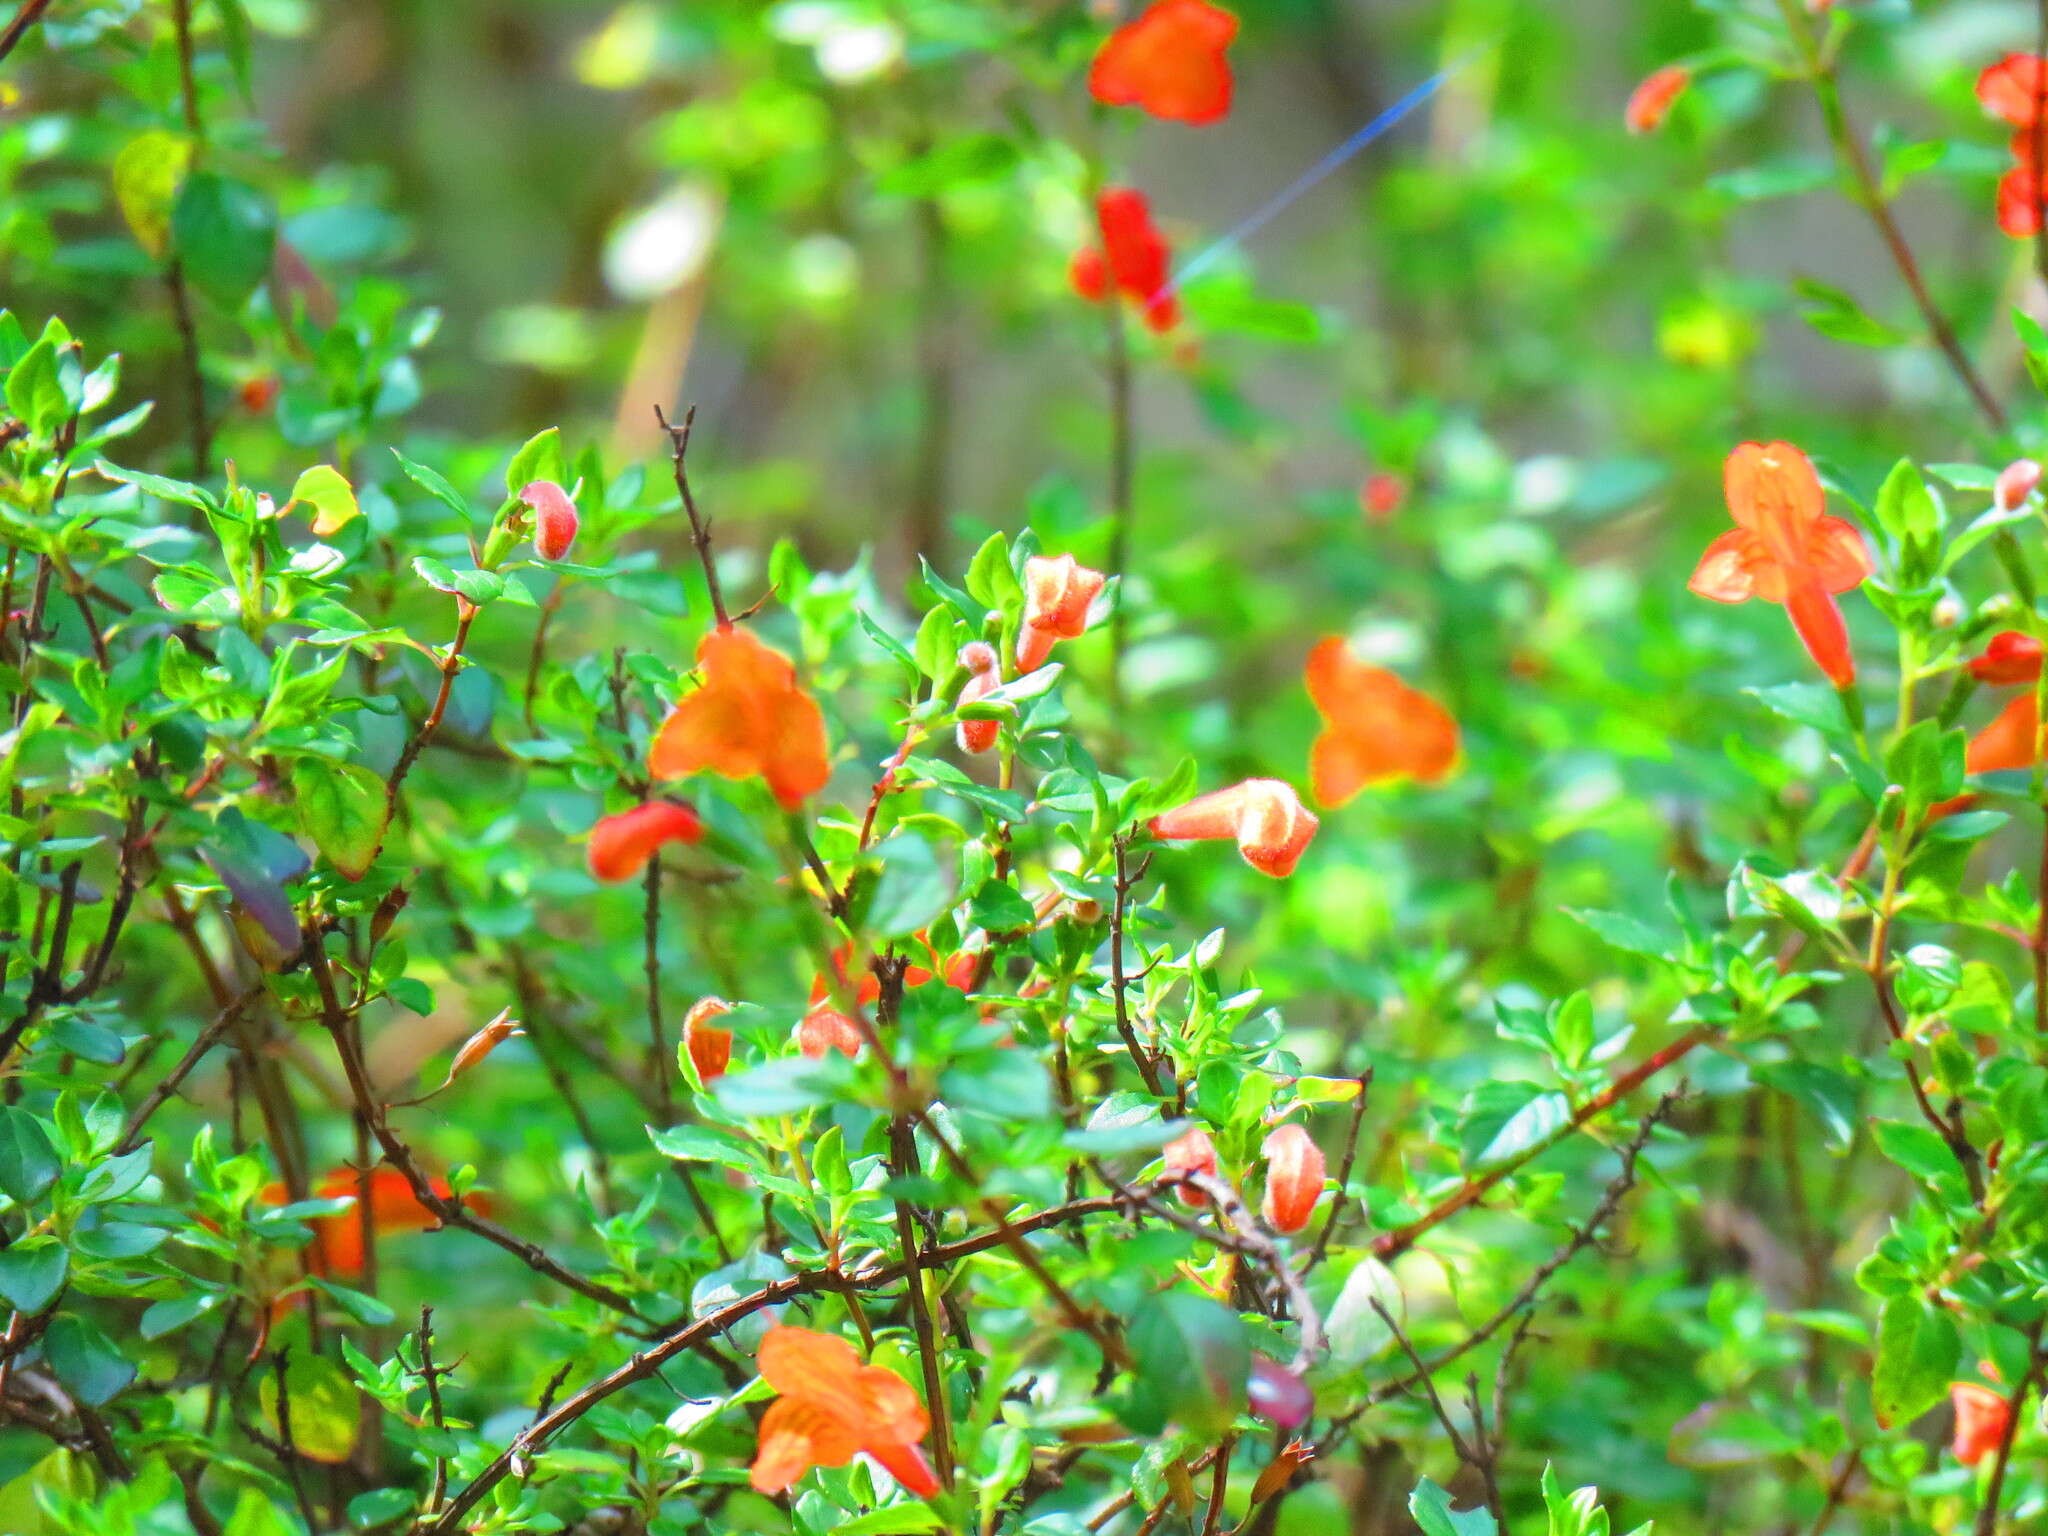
<point>1140,1056</point>
<point>30,12</point>
<point>700,528</point>
<point>1322,1246</point>
<point>450,665</point>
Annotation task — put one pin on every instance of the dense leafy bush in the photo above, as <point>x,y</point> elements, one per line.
<point>1124,890</point>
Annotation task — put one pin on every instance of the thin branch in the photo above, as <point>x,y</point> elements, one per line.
<point>28,15</point>
<point>1322,1246</point>
<point>700,528</point>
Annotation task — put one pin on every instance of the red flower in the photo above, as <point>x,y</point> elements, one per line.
<point>1264,816</point>
<point>2015,483</point>
<point>831,1406</point>
<point>1981,1420</point>
<point>1133,259</point>
<point>984,676</point>
<point>1786,549</point>
<point>2013,740</point>
<point>1170,61</point>
<point>1381,495</point>
<point>1650,103</point>
<point>1374,727</point>
<point>554,518</point>
<point>2014,89</point>
<point>827,1029</point>
<point>709,1046</point>
<point>1294,1178</point>
<point>1190,1152</point>
<point>1057,594</point>
<point>621,845</point>
<point>259,394</point>
<point>2010,658</point>
<point>749,718</point>
<point>2020,197</point>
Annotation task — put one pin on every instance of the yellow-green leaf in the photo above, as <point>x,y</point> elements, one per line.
<point>331,497</point>
<point>342,808</point>
<point>322,1404</point>
<point>146,177</point>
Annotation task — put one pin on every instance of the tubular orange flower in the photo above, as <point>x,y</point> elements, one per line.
<point>832,1407</point>
<point>2010,658</point>
<point>1294,1178</point>
<point>2013,740</point>
<point>749,718</point>
<point>1133,259</point>
<point>1190,1152</point>
<point>1374,727</point>
<point>1057,593</point>
<point>1170,61</point>
<point>1981,1419</point>
<point>1786,549</point>
<point>710,1047</point>
<point>984,676</point>
<point>1650,102</point>
<point>337,1248</point>
<point>554,518</point>
<point>621,845</point>
<point>2013,88</point>
<point>827,1029</point>
<point>1265,816</point>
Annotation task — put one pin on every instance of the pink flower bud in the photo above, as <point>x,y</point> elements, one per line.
<point>1190,1152</point>
<point>985,676</point>
<point>554,518</point>
<point>1277,1395</point>
<point>2015,484</point>
<point>1294,1179</point>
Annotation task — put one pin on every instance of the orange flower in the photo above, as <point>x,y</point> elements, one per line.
<point>1190,1152</point>
<point>621,845</point>
<point>1981,1420</point>
<point>1294,1178</point>
<point>2020,197</point>
<point>827,1029</point>
<point>1133,259</point>
<point>1374,727</point>
<point>2013,740</point>
<point>748,718</point>
<point>1650,103</point>
<point>1265,816</point>
<point>1786,549</point>
<point>2014,89</point>
<point>1381,495</point>
<point>1057,593</point>
<point>832,1407</point>
<point>337,1248</point>
<point>709,1046</point>
<point>984,676</point>
<point>2010,658</point>
<point>1170,61</point>
<point>554,518</point>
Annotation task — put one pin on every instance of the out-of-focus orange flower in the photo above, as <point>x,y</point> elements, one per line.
<point>1190,1152</point>
<point>1133,259</point>
<point>984,676</point>
<point>825,1029</point>
<point>336,1252</point>
<point>1294,1178</point>
<point>621,845</point>
<point>2013,740</point>
<point>1374,727</point>
<point>1381,496</point>
<point>1171,62</point>
<point>1265,817</point>
<point>748,718</point>
<point>1981,1420</point>
<point>258,394</point>
<point>1650,102</point>
<point>2015,483</point>
<point>1785,549</point>
<point>832,1407</point>
<point>2014,89</point>
<point>2010,658</point>
<point>1057,593</point>
<point>2020,197</point>
<point>710,1047</point>
<point>554,518</point>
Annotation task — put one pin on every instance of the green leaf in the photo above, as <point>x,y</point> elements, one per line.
<point>1917,1350</point>
<point>915,887</point>
<point>1000,908</point>
<point>1192,1359</point>
<point>365,1309</point>
<point>707,1144</point>
<point>1916,1149</point>
<point>1431,1508</point>
<point>86,1360</point>
<point>539,458</point>
<point>146,176</point>
<point>223,232</point>
<point>322,1402</point>
<point>434,484</point>
<point>28,1160</point>
<point>890,1521</point>
<point>331,497</point>
<point>380,1506</point>
<point>31,1272</point>
<point>342,807</point>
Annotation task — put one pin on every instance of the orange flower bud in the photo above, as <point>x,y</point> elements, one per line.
<point>554,518</point>
<point>827,1029</point>
<point>481,1044</point>
<point>709,1046</point>
<point>2015,483</point>
<point>1981,1420</point>
<point>621,845</point>
<point>984,677</point>
<point>1650,102</point>
<point>1294,1178</point>
<point>1057,593</point>
<point>1265,816</point>
<point>1190,1152</point>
